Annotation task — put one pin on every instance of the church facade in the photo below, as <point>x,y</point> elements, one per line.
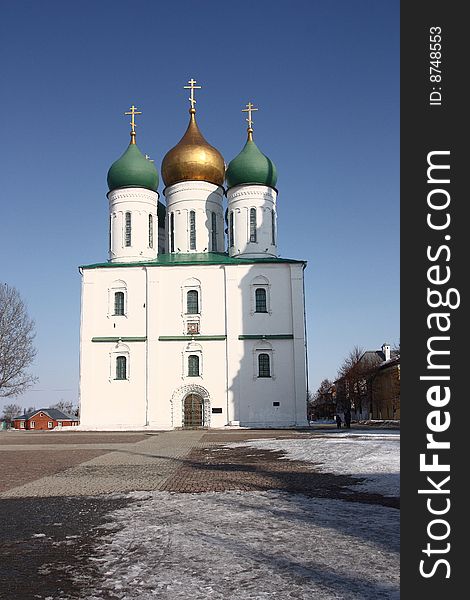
<point>194,321</point>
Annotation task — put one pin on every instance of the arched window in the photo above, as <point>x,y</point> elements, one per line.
<point>260,300</point>
<point>213,232</point>
<point>264,369</point>
<point>172,232</point>
<point>273,228</point>
<point>252,224</point>
<point>110,230</point>
<point>119,303</point>
<point>150,231</point>
<point>121,367</point>
<point>193,365</point>
<point>192,302</point>
<point>128,230</point>
<point>192,230</point>
<point>230,230</point>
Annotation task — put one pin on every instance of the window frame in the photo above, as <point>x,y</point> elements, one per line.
<point>127,229</point>
<point>192,230</point>
<point>253,226</point>
<point>231,229</point>
<point>118,368</point>
<point>264,302</point>
<point>192,312</point>
<point>172,231</point>
<point>191,363</point>
<point>261,367</point>
<point>119,308</point>
<point>151,231</point>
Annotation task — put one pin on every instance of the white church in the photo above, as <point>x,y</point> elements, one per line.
<point>194,321</point>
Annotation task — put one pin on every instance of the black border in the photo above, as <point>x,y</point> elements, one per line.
<point>426,128</point>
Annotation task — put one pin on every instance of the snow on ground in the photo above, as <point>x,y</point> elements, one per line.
<point>247,546</point>
<point>374,456</point>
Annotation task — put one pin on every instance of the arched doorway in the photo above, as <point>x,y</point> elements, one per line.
<point>193,411</point>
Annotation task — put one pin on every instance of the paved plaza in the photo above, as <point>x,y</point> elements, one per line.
<point>192,514</point>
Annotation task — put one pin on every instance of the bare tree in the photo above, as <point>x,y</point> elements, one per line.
<point>16,343</point>
<point>64,406</point>
<point>11,410</point>
<point>354,381</point>
<point>323,401</point>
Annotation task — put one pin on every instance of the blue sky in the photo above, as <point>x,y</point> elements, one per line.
<point>325,76</point>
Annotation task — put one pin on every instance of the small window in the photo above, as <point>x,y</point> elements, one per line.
<point>21,424</point>
<point>252,224</point>
<point>172,232</point>
<point>213,232</point>
<point>192,230</point>
<point>119,303</point>
<point>193,365</point>
<point>50,424</point>
<point>110,229</point>
<point>231,240</point>
<point>33,424</point>
<point>273,228</point>
<point>260,300</point>
<point>192,302</point>
<point>150,231</point>
<point>128,229</point>
<point>121,367</point>
<point>276,403</point>
<point>264,369</point>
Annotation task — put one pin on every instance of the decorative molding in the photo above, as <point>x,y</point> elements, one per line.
<point>256,192</point>
<point>193,186</point>
<point>177,403</point>
<point>118,339</point>
<point>278,336</point>
<point>183,338</point>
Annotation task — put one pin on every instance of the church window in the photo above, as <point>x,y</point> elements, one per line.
<point>193,365</point>
<point>121,367</point>
<point>260,300</point>
<point>192,302</point>
<point>230,233</point>
<point>273,228</point>
<point>172,232</point>
<point>214,232</point>
<point>192,230</point>
<point>119,303</point>
<point>110,229</point>
<point>264,369</point>
<point>252,224</point>
<point>150,231</point>
<point>128,229</point>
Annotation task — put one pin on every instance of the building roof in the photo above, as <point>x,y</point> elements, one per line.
<point>53,413</point>
<point>377,356</point>
<point>194,258</point>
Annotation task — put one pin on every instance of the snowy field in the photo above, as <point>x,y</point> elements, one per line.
<point>259,545</point>
<point>372,455</point>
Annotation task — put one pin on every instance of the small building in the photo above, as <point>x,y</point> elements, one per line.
<point>43,419</point>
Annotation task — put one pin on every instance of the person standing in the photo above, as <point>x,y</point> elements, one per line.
<point>338,421</point>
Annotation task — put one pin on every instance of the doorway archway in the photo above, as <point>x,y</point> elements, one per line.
<point>193,411</point>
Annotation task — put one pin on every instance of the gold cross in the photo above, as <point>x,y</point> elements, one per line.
<point>249,109</point>
<point>133,112</point>
<point>192,86</point>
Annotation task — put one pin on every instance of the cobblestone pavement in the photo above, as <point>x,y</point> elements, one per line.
<point>57,490</point>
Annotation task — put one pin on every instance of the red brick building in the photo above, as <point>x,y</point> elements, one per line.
<point>44,418</point>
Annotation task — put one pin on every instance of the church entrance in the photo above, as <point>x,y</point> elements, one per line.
<point>193,411</point>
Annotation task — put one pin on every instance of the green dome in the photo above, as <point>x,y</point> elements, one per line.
<point>133,170</point>
<point>251,166</point>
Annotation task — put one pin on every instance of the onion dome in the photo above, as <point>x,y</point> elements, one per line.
<point>193,158</point>
<point>251,166</point>
<point>133,169</point>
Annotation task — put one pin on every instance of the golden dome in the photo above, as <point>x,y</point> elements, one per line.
<point>193,159</point>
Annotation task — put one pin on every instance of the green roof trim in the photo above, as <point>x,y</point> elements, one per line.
<point>181,338</point>
<point>119,339</point>
<point>279,336</point>
<point>194,258</point>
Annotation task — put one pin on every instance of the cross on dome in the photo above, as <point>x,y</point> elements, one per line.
<point>250,108</point>
<point>133,111</point>
<point>192,86</point>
